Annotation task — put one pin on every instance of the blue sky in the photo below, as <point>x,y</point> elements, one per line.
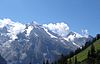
<point>78,14</point>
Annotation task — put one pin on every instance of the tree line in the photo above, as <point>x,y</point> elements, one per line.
<point>93,57</point>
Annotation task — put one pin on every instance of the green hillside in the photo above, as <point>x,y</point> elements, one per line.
<point>83,55</point>
<point>89,54</point>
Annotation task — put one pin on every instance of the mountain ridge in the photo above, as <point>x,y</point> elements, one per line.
<point>24,43</point>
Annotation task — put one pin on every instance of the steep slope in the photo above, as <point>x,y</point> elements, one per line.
<point>83,55</point>
<point>25,43</point>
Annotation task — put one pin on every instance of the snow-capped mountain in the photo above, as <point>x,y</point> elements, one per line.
<point>25,43</point>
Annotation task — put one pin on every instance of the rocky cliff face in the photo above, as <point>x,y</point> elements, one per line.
<point>24,43</point>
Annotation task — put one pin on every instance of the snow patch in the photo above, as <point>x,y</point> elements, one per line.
<point>76,45</point>
<point>52,36</point>
<point>66,39</point>
<point>77,35</point>
<point>35,34</point>
<point>23,55</point>
<point>6,44</point>
<point>29,30</point>
<point>71,37</point>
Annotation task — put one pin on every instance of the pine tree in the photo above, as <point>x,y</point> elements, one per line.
<point>43,62</point>
<point>91,59</point>
<point>71,54</point>
<point>47,62</point>
<point>52,63</point>
<point>76,60</point>
<point>88,54</point>
<point>56,62</point>
<point>70,61</point>
<point>66,62</point>
<point>98,57</point>
<point>30,63</point>
<point>93,51</point>
<point>97,36</point>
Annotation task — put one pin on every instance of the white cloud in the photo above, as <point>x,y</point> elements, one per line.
<point>14,27</point>
<point>59,28</point>
<point>85,33</point>
<point>4,22</point>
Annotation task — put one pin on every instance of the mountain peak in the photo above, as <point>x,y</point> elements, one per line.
<point>20,43</point>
